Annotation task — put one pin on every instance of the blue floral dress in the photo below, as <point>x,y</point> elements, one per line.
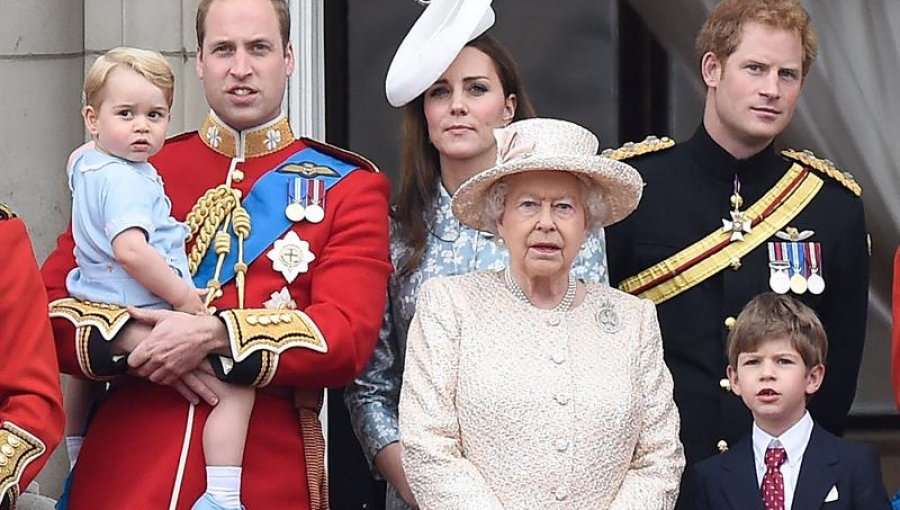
<point>452,249</point>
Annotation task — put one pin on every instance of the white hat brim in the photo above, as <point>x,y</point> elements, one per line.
<point>432,44</point>
<point>620,184</point>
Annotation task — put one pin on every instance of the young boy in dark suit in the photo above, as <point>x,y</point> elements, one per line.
<point>776,353</point>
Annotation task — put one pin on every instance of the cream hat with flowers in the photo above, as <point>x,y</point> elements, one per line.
<point>552,145</point>
<point>432,44</point>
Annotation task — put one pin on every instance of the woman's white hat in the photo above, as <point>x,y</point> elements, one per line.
<point>432,44</point>
<point>554,145</point>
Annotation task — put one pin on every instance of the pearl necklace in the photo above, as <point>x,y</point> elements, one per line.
<point>563,306</point>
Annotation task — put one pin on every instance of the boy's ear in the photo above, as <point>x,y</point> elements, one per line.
<point>89,114</point>
<point>814,379</point>
<point>733,379</point>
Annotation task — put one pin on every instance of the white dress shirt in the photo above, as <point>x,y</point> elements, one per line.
<point>794,441</point>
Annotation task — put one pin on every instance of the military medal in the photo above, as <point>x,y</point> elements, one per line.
<point>739,223</point>
<point>294,210</point>
<point>291,256</point>
<point>815,282</point>
<point>315,198</point>
<point>798,281</point>
<point>779,281</point>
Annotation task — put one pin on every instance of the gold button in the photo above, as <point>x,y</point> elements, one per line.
<point>7,450</point>
<point>251,320</point>
<point>729,322</point>
<point>275,318</point>
<point>722,445</point>
<point>264,320</point>
<point>725,384</point>
<point>286,317</point>
<point>237,175</point>
<point>13,441</point>
<point>3,461</point>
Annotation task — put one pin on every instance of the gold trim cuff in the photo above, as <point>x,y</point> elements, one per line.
<point>272,331</point>
<point>108,319</point>
<point>18,448</point>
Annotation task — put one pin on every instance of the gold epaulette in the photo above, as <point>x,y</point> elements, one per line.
<point>108,319</point>
<point>632,149</point>
<point>6,213</point>
<point>824,166</point>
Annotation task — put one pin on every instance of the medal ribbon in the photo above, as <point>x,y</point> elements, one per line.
<point>269,221</point>
<point>714,252</point>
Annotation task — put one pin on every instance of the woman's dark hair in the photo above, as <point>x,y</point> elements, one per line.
<point>419,160</point>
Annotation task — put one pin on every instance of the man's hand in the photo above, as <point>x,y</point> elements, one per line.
<point>177,344</point>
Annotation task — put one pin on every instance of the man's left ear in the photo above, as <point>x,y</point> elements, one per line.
<point>289,58</point>
<point>814,379</point>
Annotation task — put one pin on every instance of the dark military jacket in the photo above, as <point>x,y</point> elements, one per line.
<point>686,197</point>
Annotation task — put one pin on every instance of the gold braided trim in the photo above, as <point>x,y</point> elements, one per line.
<point>205,218</point>
<point>633,150</point>
<point>309,403</point>
<point>712,264</point>
<point>826,167</point>
<point>108,319</point>
<point>18,448</point>
<point>272,331</point>
<point>267,371</point>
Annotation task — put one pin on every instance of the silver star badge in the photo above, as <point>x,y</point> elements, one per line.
<point>738,226</point>
<point>291,256</point>
<point>281,300</point>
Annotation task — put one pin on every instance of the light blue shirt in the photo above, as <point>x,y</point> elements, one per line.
<point>451,249</point>
<point>109,196</point>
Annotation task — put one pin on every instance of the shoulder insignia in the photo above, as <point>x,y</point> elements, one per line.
<point>635,149</point>
<point>6,213</point>
<point>308,169</point>
<point>824,166</point>
<point>342,154</point>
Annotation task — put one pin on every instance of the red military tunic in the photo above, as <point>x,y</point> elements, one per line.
<point>143,448</point>
<point>31,413</point>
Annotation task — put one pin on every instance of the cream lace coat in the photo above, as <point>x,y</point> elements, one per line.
<point>506,406</point>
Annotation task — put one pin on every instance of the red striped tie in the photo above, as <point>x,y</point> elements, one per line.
<point>773,482</point>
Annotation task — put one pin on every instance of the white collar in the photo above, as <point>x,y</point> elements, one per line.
<point>794,441</point>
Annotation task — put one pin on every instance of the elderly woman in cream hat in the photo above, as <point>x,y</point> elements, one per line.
<point>524,387</point>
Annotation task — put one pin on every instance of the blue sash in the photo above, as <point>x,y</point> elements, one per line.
<point>265,204</point>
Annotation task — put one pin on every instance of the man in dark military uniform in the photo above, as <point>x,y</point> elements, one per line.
<point>725,217</point>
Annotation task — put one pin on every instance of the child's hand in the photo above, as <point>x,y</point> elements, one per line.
<point>192,302</point>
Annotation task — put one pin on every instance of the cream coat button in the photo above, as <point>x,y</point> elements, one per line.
<point>562,398</point>
<point>562,444</point>
<point>561,493</point>
<point>553,321</point>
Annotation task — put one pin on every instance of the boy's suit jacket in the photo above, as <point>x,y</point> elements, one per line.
<point>728,481</point>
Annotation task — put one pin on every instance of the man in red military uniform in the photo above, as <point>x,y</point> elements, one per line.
<point>31,414</point>
<point>290,236</point>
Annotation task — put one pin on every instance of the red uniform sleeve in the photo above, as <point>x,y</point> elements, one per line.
<point>348,289</point>
<point>55,270</point>
<point>31,413</point>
